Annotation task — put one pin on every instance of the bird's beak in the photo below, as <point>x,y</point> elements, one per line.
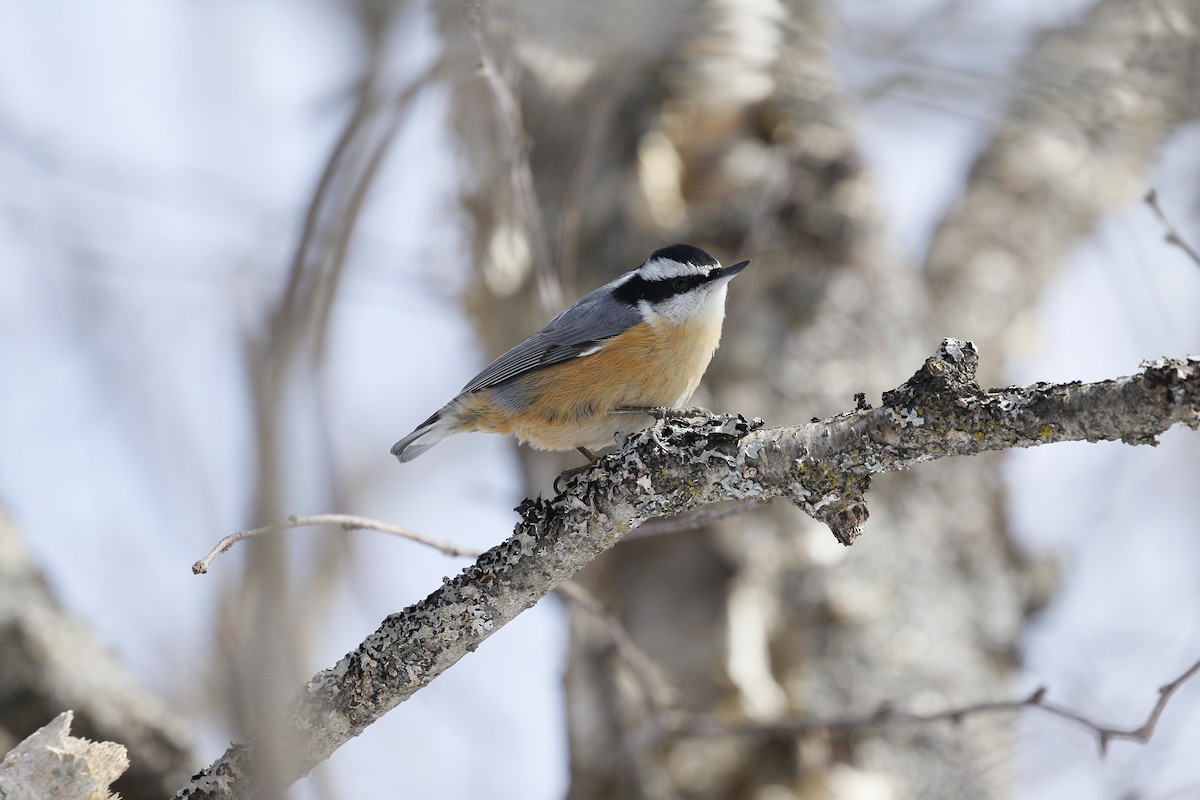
<point>730,271</point>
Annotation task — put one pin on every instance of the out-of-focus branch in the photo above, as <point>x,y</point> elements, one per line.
<point>710,726</point>
<point>1094,101</point>
<point>684,463</point>
<point>596,136</point>
<point>658,693</point>
<point>1173,235</point>
<point>337,200</point>
<point>282,361</point>
<point>521,184</point>
<point>51,662</point>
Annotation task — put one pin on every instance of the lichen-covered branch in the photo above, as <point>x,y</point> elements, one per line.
<point>685,462</point>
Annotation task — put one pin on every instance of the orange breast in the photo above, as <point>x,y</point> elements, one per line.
<point>571,402</point>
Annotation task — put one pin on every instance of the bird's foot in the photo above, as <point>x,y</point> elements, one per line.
<point>561,481</point>
<point>661,412</point>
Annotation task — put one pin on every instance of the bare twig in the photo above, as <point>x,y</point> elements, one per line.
<point>657,692</point>
<point>1173,236</point>
<point>712,726</point>
<point>348,522</point>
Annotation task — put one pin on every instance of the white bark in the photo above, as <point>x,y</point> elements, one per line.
<point>51,763</point>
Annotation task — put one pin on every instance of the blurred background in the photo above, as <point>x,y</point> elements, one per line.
<point>245,246</point>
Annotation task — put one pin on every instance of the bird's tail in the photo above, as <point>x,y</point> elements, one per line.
<point>427,434</point>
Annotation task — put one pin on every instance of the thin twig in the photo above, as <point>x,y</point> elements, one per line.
<point>348,522</point>
<point>1173,235</point>
<point>712,726</point>
<point>659,694</point>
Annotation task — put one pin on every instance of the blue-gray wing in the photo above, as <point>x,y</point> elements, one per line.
<point>582,327</point>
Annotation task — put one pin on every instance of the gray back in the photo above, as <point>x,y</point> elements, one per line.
<point>586,323</point>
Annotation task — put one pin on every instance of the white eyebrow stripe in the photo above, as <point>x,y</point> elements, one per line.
<point>665,269</point>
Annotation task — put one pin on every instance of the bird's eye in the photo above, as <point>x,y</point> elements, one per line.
<point>680,284</point>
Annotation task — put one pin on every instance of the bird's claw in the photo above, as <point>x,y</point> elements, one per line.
<point>560,483</point>
<point>661,412</point>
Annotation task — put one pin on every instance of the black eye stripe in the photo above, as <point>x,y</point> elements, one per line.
<point>655,291</point>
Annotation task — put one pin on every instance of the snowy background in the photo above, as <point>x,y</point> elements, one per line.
<point>155,159</point>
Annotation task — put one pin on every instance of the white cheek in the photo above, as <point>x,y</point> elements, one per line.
<point>694,306</point>
<point>709,307</point>
<point>715,303</point>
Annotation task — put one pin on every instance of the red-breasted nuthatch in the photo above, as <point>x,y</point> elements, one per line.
<point>642,341</point>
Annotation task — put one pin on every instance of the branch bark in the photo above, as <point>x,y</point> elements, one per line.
<point>693,460</point>
<point>51,762</point>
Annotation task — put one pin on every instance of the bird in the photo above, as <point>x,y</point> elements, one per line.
<point>640,343</point>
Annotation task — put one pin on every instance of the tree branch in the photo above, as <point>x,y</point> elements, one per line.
<point>683,463</point>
